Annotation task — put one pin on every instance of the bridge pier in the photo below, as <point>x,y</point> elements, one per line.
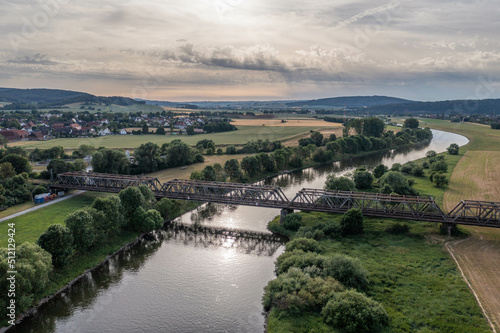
<point>284,212</point>
<point>449,227</point>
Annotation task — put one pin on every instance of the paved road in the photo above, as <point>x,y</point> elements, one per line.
<point>42,205</point>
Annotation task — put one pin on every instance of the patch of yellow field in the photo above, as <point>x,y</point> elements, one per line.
<point>185,172</point>
<point>477,177</point>
<point>304,122</point>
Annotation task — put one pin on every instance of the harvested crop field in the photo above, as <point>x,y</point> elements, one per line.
<point>477,177</point>
<point>299,122</point>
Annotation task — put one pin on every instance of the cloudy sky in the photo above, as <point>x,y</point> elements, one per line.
<point>182,50</point>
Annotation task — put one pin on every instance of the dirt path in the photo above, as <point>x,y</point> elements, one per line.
<point>477,177</point>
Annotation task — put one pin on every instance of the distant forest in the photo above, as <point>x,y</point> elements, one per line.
<point>485,106</point>
<point>53,98</point>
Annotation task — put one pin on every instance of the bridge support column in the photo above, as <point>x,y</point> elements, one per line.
<point>284,212</point>
<point>449,227</point>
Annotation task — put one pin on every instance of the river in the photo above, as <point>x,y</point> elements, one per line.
<point>182,281</point>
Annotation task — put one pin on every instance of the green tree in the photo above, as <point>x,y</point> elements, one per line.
<point>58,241</point>
<point>440,180</point>
<point>147,157</point>
<point>353,312</point>
<point>380,170</point>
<point>190,130</point>
<point>292,221</point>
<point>411,123</point>
<point>334,183</point>
<point>20,163</point>
<point>220,151</point>
<point>85,150</point>
<point>230,150</point>
<point>351,222</point>
<point>317,138</point>
<point>453,149</point>
<point>81,226</point>
<point>149,196</point>
<point>430,153</point>
<point>232,168</point>
<point>363,179</point>
<point>178,154</point>
<point>208,173</point>
<point>250,165</point>
<point>131,198</point>
<point>33,265</point>
<point>166,207</point>
<point>439,166</point>
<point>304,244</point>
<point>145,128</point>
<point>3,141</point>
<point>6,171</point>
<point>373,126</point>
<point>57,166</point>
<point>397,182</point>
<point>160,130</point>
<point>155,216</point>
<point>111,208</point>
<point>110,161</point>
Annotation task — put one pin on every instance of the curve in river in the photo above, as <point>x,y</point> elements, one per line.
<point>180,281</point>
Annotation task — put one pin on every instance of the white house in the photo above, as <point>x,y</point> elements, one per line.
<point>104,132</point>
<point>123,132</point>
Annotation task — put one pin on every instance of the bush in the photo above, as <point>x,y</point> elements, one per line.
<point>439,166</point>
<point>298,259</point>
<point>353,312</point>
<point>230,150</point>
<point>407,168</point>
<point>346,270</point>
<point>334,183</point>
<point>439,180</point>
<point>363,179</point>
<point>380,170</point>
<point>425,165</point>
<point>396,167</point>
<point>295,292</point>
<point>166,207</point>
<point>430,153</point>
<point>58,241</point>
<point>292,221</point>
<point>453,149</point>
<point>398,183</point>
<point>386,189</point>
<point>155,216</point>
<point>304,244</point>
<point>418,171</point>
<point>398,229</point>
<point>351,222</point>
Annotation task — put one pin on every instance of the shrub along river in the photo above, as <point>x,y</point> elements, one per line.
<point>183,280</point>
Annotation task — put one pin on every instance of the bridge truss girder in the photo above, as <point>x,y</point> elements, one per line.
<point>228,193</point>
<point>473,212</point>
<point>103,182</point>
<point>374,204</point>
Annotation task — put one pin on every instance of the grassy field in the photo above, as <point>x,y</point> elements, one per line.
<point>411,275</point>
<point>30,225</point>
<point>475,175</point>
<point>241,136</point>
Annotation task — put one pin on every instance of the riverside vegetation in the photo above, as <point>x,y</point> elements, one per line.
<point>369,136</point>
<point>88,235</point>
<point>388,276</point>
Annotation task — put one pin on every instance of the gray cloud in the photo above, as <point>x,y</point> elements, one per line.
<point>35,59</point>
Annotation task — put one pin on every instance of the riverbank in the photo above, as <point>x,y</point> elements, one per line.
<point>62,279</point>
<point>410,274</point>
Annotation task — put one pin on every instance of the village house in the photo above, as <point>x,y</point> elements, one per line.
<point>15,135</point>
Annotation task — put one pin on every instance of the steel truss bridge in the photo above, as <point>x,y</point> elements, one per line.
<point>419,208</point>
